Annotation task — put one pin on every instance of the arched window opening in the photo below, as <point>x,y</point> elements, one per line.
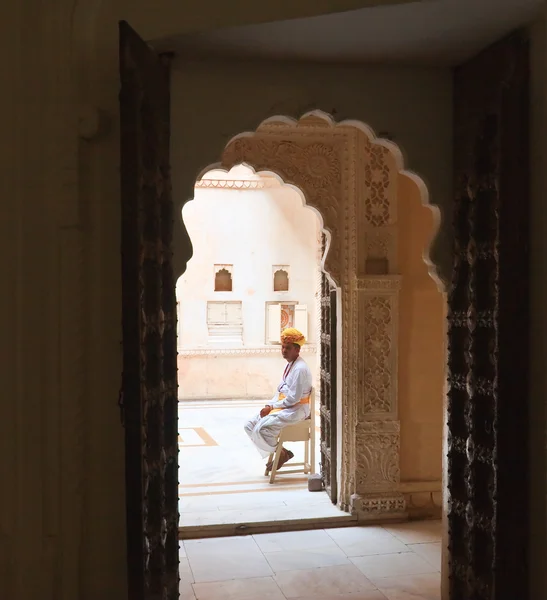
<point>281,280</point>
<point>223,280</point>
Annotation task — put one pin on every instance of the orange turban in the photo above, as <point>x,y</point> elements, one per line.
<point>292,336</point>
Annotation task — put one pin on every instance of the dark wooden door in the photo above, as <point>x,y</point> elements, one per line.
<point>327,388</point>
<point>488,328</point>
<point>149,383</point>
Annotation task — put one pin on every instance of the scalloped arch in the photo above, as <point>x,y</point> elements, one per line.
<point>270,173</point>
<point>240,150</point>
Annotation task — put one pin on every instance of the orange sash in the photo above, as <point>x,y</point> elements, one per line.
<point>303,400</point>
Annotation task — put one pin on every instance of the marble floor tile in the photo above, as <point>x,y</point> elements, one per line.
<point>343,579</point>
<point>391,565</point>
<point>311,558</point>
<point>294,540</point>
<point>221,559</point>
<point>431,552</point>
<point>186,591</point>
<point>363,541</point>
<point>417,532</point>
<point>311,564</point>
<point>260,515</point>
<point>185,572</point>
<point>303,496</point>
<point>250,500</point>
<point>198,503</point>
<point>412,587</point>
<point>263,588</point>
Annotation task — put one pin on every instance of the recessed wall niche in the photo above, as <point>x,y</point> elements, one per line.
<point>281,278</point>
<point>223,278</point>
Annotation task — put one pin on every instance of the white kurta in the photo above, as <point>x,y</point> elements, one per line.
<point>295,385</point>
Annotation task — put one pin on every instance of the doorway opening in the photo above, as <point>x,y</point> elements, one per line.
<point>351,550</point>
<point>383,438</point>
<point>376,478</point>
<point>257,269</point>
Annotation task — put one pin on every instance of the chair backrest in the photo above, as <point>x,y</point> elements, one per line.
<point>312,408</point>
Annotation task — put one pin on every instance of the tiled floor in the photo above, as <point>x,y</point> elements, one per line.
<point>397,562</point>
<point>221,474</point>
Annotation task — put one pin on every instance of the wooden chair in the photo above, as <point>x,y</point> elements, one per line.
<point>303,431</point>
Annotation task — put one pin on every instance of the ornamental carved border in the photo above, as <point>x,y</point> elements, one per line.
<point>378,307</point>
<point>236,184</point>
<point>247,351</point>
<point>311,158</point>
<point>351,180</point>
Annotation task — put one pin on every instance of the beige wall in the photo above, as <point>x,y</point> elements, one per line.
<point>252,230</point>
<point>421,343</point>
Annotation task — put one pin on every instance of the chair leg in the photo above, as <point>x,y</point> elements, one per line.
<point>276,462</point>
<point>307,466</point>
<point>269,459</point>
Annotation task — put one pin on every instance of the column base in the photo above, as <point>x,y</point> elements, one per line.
<point>379,506</point>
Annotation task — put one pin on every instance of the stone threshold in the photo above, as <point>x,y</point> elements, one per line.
<point>232,529</point>
<point>193,532</point>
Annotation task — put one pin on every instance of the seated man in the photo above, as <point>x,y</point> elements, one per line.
<point>290,404</point>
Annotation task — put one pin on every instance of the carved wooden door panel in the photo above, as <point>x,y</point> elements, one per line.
<point>328,386</point>
<point>488,328</point>
<point>149,382</point>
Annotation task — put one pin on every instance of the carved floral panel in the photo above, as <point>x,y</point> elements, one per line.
<point>378,444</point>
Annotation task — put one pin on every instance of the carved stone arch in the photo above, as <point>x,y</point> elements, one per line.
<point>351,178</point>
<point>310,164</point>
<point>296,149</point>
<point>433,268</point>
<point>268,172</point>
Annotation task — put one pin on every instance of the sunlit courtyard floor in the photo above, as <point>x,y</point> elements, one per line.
<point>221,475</point>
